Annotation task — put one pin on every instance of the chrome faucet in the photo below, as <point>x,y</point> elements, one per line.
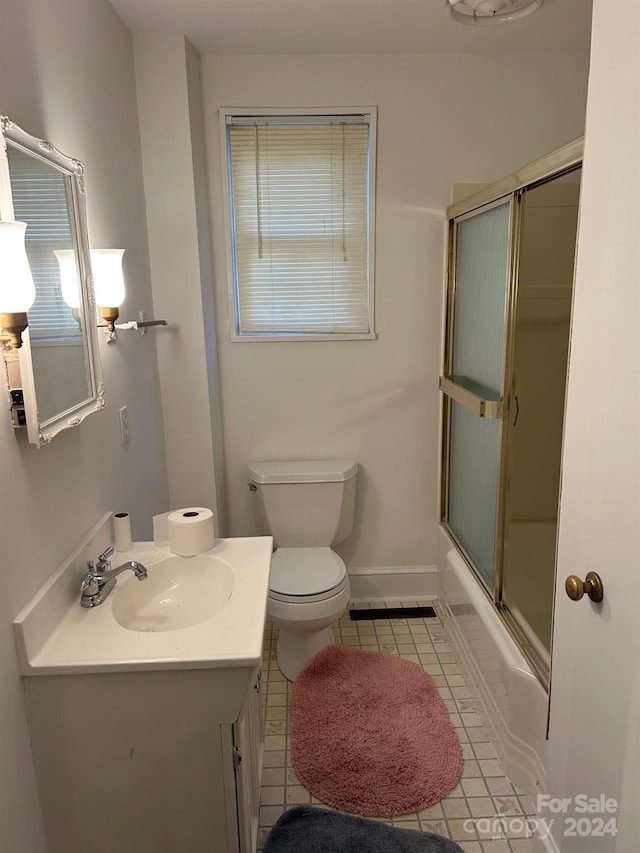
<point>101,578</point>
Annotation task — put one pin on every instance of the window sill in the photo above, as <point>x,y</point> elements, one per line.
<point>371,336</point>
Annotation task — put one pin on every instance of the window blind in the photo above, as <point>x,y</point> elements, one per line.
<point>47,230</point>
<point>299,191</point>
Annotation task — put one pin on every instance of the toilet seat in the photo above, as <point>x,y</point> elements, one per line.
<point>306,574</point>
<point>310,599</point>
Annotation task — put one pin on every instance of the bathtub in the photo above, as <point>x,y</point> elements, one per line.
<point>510,699</point>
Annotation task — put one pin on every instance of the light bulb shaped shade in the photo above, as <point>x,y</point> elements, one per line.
<point>69,283</point>
<point>17,289</point>
<point>107,277</point>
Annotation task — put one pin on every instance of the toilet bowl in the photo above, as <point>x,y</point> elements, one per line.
<point>307,506</point>
<point>308,591</point>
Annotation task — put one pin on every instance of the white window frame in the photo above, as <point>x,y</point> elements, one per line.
<point>261,112</point>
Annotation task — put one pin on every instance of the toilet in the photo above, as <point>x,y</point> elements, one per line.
<point>307,507</point>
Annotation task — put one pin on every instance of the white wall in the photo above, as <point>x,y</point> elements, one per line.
<point>169,107</point>
<point>442,120</point>
<point>66,73</point>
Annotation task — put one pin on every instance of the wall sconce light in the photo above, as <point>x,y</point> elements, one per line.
<point>108,282</point>
<point>69,277</point>
<point>17,289</point>
<point>108,285</point>
<point>69,284</point>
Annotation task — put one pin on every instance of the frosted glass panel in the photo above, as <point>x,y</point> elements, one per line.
<point>481,269</point>
<point>482,255</point>
<point>473,477</point>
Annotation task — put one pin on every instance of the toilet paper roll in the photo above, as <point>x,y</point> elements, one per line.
<point>122,531</point>
<point>190,531</point>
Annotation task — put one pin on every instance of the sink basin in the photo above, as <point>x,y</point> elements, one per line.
<point>203,612</point>
<point>178,592</point>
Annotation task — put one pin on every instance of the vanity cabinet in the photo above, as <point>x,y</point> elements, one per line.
<point>248,747</point>
<point>148,741</point>
<point>161,761</point>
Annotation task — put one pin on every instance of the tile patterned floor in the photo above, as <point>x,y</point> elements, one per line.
<point>483,814</point>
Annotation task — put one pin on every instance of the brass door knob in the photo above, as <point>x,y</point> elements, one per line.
<point>592,585</point>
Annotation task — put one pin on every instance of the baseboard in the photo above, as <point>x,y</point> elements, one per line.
<point>394,583</point>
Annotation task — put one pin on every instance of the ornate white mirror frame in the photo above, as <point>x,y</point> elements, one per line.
<point>40,368</point>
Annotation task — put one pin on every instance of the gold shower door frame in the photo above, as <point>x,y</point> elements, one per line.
<point>509,189</point>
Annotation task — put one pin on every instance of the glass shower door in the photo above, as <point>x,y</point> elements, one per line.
<point>473,381</point>
<point>542,318</point>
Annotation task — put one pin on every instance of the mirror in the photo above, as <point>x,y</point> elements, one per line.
<point>59,364</point>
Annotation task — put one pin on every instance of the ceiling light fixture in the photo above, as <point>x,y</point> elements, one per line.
<point>490,12</point>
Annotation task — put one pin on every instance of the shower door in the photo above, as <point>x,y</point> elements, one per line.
<point>542,315</point>
<point>473,381</point>
<point>511,258</point>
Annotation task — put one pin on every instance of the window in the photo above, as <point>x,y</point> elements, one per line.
<point>300,200</point>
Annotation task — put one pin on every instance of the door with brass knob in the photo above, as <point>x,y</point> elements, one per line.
<point>591,585</point>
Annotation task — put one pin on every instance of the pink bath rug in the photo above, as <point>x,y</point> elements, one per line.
<point>370,734</point>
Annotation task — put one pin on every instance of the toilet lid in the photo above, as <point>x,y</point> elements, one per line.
<point>305,571</point>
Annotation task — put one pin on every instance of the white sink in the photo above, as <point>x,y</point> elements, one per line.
<point>198,612</point>
<point>177,593</point>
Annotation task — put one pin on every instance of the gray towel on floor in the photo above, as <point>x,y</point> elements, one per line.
<point>306,829</point>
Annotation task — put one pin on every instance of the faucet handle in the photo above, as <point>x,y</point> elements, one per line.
<point>86,583</point>
<point>89,585</point>
<point>106,554</point>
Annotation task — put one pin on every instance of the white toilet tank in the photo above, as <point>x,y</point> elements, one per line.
<point>306,504</point>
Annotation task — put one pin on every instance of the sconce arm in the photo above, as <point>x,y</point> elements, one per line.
<point>136,325</point>
<point>141,324</point>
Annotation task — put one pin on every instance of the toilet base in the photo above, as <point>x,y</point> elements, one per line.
<point>295,652</point>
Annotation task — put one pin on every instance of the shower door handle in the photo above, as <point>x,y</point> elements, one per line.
<point>474,403</point>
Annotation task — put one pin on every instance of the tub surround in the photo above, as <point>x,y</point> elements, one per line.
<point>512,702</point>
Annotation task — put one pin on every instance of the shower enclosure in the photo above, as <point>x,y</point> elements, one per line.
<point>510,278</point>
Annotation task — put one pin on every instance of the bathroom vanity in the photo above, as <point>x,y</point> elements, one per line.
<point>148,739</point>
